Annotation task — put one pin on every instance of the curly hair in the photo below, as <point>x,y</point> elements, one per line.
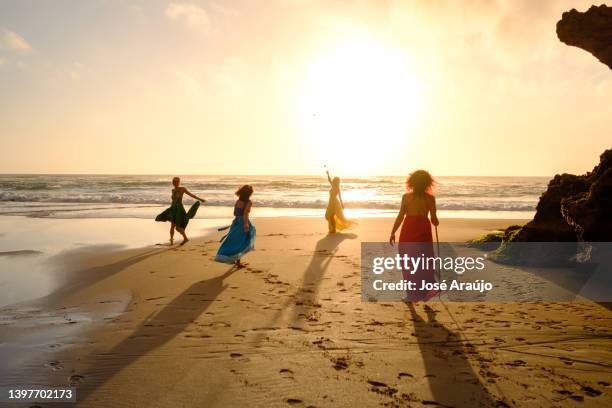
<point>420,182</point>
<point>244,193</point>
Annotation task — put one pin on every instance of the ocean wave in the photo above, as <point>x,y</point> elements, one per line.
<point>271,203</point>
<point>298,192</point>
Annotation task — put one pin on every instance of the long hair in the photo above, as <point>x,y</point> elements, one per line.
<point>420,182</point>
<point>336,182</point>
<point>244,193</point>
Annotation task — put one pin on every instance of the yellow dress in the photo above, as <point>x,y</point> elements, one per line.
<point>335,212</point>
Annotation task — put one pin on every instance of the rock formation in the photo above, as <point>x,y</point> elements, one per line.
<point>591,31</point>
<point>589,213</point>
<point>573,209</point>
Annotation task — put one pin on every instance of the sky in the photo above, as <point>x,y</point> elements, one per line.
<point>472,87</point>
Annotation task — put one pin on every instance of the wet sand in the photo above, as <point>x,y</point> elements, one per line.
<point>167,326</point>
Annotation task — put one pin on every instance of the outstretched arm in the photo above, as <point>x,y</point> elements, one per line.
<point>398,221</point>
<point>194,196</point>
<point>245,216</point>
<point>328,177</point>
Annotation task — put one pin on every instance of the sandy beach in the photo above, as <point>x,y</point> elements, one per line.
<point>132,128</point>
<point>168,327</point>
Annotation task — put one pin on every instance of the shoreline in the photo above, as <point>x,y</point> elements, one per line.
<point>148,212</point>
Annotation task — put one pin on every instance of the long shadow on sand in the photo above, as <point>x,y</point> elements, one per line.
<point>313,275</point>
<point>154,332</point>
<point>304,299</point>
<point>452,379</point>
<point>315,271</point>
<point>81,279</point>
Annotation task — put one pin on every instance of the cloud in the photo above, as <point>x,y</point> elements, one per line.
<point>13,41</point>
<point>192,15</point>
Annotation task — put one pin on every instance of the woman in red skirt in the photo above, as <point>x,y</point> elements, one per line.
<point>418,206</point>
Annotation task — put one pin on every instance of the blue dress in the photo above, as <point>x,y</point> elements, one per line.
<point>236,243</point>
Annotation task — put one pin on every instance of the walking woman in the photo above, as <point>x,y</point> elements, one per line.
<point>176,214</point>
<point>241,237</point>
<point>418,206</point>
<point>336,221</point>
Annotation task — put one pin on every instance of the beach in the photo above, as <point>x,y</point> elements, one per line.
<point>167,326</point>
<point>305,204</point>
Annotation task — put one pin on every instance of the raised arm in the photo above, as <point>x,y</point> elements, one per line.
<point>328,177</point>
<point>433,212</point>
<point>245,216</point>
<point>193,195</point>
<point>398,221</point>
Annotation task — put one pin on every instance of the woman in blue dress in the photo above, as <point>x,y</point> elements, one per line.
<point>241,237</point>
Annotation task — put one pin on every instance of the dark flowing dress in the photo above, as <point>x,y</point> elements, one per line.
<point>176,212</point>
<point>415,241</point>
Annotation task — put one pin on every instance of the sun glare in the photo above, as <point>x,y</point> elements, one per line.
<point>358,100</point>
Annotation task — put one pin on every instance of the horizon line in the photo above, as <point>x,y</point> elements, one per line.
<point>250,175</point>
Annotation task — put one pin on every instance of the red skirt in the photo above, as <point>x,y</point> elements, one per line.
<point>416,241</point>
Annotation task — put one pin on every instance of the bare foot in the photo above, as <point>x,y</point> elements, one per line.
<point>240,265</point>
<point>186,240</point>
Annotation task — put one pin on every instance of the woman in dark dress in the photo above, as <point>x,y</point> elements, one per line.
<point>176,214</point>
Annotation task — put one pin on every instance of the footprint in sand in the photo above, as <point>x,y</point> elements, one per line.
<point>198,336</point>
<point>591,392</point>
<point>155,298</point>
<point>381,388</point>
<point>286,373</point>
<point>402,375</point>
<point>54,365</point>
<point>340,363</point>
<point>75,379</point>
<point>293,401</point>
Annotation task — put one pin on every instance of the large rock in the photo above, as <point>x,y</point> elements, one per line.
<point>572,209</point>
<point>590,212</point>
<point>548,224</point>
<point>591,31</point>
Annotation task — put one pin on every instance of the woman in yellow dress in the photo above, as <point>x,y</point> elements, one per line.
<point>334,214</point>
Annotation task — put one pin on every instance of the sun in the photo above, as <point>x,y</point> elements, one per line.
<point>358,102</point>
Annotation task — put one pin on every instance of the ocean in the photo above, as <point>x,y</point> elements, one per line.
<point>137,196</point>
